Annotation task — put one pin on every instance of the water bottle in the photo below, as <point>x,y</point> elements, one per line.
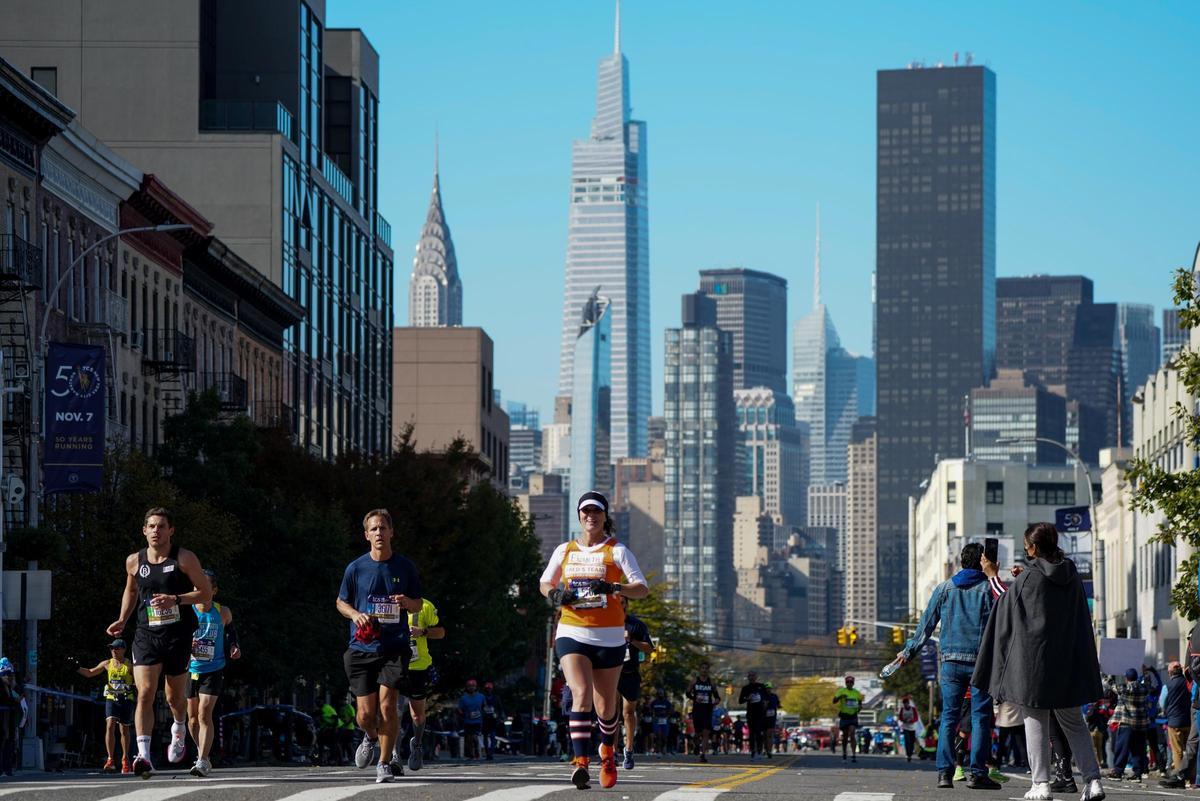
<point>889,669</point>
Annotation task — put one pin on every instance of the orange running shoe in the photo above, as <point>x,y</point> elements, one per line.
<point>579,776</point>
<point>109,766</point>
<point>608,766</point>
<point>125,766</point>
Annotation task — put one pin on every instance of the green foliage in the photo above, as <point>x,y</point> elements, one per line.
<point>280,526</point>
<point>1176,496</point>
<point>810,699</point>
<point>676,634</point>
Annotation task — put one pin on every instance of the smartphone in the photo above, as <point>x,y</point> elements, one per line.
<point>991,549</point>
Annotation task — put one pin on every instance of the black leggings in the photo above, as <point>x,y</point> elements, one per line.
<point>1060,749</point>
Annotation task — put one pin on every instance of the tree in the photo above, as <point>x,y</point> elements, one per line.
<point>677,637</point>
<point>809,699</point>
<point>1176,495</point>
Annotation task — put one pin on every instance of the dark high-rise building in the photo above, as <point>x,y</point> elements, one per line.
<point>1141,346</point>
<point>935,284</point>
<point>1035,323</point>
<point>752,307</point>
<point>1048,327</point>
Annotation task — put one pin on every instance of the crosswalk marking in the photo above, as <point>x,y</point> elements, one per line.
<point>864,797</point>
<point>164,792</point>
<point>339,793</point>
<point>692,794</point>
<point>527,792</point>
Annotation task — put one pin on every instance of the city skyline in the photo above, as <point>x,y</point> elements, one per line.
<point>763,153</point>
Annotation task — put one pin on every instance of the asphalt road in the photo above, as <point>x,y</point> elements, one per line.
<point>808,777</point>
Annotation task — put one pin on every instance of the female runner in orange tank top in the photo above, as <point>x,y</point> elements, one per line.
<point>586,579</point>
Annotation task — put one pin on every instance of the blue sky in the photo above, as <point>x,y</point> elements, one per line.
<point>757,110</point>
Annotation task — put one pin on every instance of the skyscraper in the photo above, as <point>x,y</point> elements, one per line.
<point>1173,337</point>
<point>936,284</point>
<point>435,290</point>
<point>1049,328</point>
<point>1008,417</point>
<point>752,307</point>
<point>831,386</point>
<point>864,574</point>
<point>608,246</point>
<point>772,461</point>
<point>591,398</point>
<point>1141,348</point>
<point>700,486</point>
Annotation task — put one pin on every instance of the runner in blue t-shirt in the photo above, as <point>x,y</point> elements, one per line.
<point>470,707</point>
<point>378,591</point>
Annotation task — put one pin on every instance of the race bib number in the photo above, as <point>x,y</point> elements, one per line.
<point>204,650</point>
<point>156,617</point>
<point>661,721</point>
<point>702,697</point>
<point>754,698</point>
<point>851,703</point>
<point>578,573</point>
<point>383,609</point>
<point>474,714</point>
<point>118,687</point>
<point>586,599</point>
<point>488,709</point>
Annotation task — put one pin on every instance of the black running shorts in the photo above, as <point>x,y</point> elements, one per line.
<point>629,685</point>
<point>368,672</point>
<point>601,656</point>
<point>205,683</point>
<point>702,715</point>
<point>172,650</point>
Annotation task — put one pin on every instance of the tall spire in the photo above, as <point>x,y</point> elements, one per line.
<point>435,151</point>
<point>817,262</point>
<point>617,31</point>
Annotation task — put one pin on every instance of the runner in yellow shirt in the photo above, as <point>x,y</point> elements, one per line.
<point>118,702</point>
<point>848,701</point>
<point>423,627</point>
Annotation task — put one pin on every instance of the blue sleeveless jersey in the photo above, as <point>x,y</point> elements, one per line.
<point>208,641</point>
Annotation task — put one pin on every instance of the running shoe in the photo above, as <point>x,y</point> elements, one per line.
<point>396,765</point>
<point>628,763</point>
<point>1040,791</point>
<point>365,754</point>
<point>383,774</point>
<point>960,775</point>
<point>178,748</point>
<point>142,767</point>
<point>608,766</point>
<point>415,756</point>
<point>995,775</point>
<point>125,766</point>
<point>201,768</point>
<point>579,776</point>
<point>1093,792</point>
<point>109,766</point>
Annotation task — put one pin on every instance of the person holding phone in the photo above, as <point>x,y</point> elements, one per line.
<point>962,605</point>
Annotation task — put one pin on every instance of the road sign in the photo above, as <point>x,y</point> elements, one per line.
<point>929,662</point>
<point>37,594</point>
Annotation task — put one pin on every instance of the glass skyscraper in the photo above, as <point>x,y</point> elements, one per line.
<point>936,285</point>
<point>591,402</point>
<point>608,248</point>
<point>1141,346</point>
<point>698,460</point>
<point>752,306</point>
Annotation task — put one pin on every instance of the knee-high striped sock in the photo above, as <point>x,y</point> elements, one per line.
<point>581,733</point>
<point>608,730</point>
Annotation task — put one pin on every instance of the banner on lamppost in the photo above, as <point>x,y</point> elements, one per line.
<point>1073,519</point>
<point>74,403</point>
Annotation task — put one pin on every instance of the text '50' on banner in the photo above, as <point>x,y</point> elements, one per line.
<point>75,394</point>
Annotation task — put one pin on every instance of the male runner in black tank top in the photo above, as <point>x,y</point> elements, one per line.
<point>162,583</point>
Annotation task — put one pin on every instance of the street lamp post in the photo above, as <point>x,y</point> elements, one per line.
<point>35,471</point>
<point>1097,546</point>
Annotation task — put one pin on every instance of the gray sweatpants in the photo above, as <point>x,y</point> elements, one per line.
<point>1037,740</point>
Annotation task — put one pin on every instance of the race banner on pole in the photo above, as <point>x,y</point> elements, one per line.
<point>74,403</point>
<point>1073,519</point>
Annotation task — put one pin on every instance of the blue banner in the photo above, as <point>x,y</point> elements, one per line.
<point>1073,520</point>
<point>75,393</point>
<point>929,661</point>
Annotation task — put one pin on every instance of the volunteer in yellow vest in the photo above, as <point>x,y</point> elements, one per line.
<point>423,627</point>
<point>586,579</point>
<point>118,702</point>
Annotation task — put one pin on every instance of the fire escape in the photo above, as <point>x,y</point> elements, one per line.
<point>170,356</point>
<point>19,263</point>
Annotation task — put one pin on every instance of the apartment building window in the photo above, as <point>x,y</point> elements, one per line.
<point>952,492</point>
<point>1051,494</point>
<point>952,530</point>
<point>995,530</point>
<point>995,492</point>
<point>45,77</point>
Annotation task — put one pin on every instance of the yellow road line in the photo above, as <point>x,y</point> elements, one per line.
<point>745,777</point>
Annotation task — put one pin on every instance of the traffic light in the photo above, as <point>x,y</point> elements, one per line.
<point>842,637</point>
<point>853,635</point>
<point>897,635</point>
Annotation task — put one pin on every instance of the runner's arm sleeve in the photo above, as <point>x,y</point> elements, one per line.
<point>346,592</point>
<point>629,565</point>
